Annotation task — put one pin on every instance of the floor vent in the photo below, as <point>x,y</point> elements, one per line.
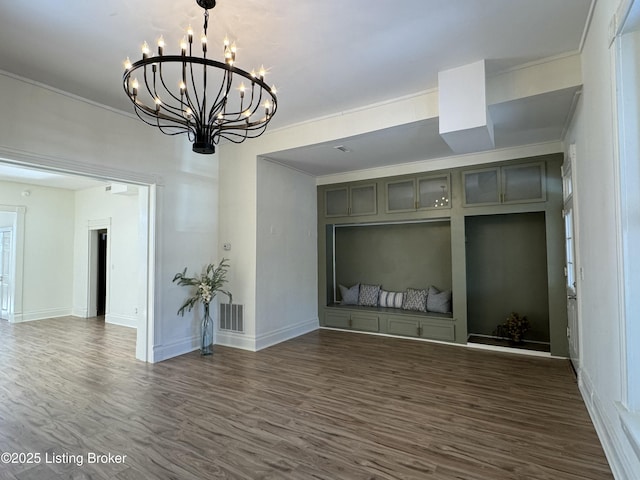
<point>231,317</point>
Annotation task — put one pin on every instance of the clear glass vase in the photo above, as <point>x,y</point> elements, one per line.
<point>206,333</point>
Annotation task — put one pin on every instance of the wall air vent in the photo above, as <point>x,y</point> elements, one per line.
<point>232,317</point>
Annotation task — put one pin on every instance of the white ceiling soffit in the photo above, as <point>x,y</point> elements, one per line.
<point>537,119</point>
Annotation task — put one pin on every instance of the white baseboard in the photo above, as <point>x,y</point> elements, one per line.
<point>236,340</point>
<point>612,444</point>
<point>175,349</point>
<point>80,312</point>
<point>122,320</point>
<point>253,344</point>
<point>287,333</point>
<point>41,315</point>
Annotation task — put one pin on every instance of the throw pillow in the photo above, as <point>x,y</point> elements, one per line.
<point>415,300</point>
<point>369,295</point>
<point>391,299</point>
<point>437,301</point>
<point>349,295</point>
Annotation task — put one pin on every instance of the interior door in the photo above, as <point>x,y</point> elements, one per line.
<point>5,273</point>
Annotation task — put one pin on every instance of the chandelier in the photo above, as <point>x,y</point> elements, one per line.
<point>204,98</point>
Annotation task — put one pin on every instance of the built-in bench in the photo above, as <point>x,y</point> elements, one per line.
<point>392,321</point>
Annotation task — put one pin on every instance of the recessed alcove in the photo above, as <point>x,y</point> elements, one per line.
<point>395,255</point>
<point>507,272</point>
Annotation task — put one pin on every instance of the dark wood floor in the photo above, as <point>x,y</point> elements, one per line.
<point>328,405</point>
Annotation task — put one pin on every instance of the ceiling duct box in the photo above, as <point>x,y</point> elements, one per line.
<point>465,123</point>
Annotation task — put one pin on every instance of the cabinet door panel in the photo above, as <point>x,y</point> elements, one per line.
<point>336,202</point>
<point>481,187</point>
<point>367,323</point>
<point>363,200</point>
<point>401,326</point>
<point>401,196</point>
<point>337,319</point>
<point>438,331</point>
<point>433,192</point>
<point>524,183</point>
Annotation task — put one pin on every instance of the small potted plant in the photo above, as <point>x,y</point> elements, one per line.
<point>208,284</point>
<point>514,327</point>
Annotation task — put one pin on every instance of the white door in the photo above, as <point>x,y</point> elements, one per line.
<point>5,273</point>
<point>573,318</point>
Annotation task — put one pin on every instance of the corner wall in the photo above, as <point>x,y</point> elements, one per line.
<point>593,131</point>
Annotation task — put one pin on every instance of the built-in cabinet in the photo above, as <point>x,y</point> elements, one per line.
<point>351,200</point>
<point>442,197</point>
<point>505,184</point>
<point>421,193</point>
<point>407,324</point>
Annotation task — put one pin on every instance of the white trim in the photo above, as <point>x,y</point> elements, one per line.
<point>611,443</point>
<point>122,320</point>
<point>42,314</point>
<point>235,340</point>
<point>64,93</point>
<point>287,333</point>
<point>175,349</point>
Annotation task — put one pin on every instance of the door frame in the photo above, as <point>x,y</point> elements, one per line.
<point>17,261</point>
<point>92,266</point>
<point>147,198</point>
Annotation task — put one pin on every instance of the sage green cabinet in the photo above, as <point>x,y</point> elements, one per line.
<point>520,183</point>
<point>422,193</point>
<point>433,329</point>
<point>351,200</point>
<point>352,320</point>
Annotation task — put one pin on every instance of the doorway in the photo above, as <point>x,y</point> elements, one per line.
<point>101,269</point>
<point>6,271</point>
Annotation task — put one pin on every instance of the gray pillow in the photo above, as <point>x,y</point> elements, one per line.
<point>369,295</point>
<point>349,295</point>
<point>437,301</point>
<point>415,300</point>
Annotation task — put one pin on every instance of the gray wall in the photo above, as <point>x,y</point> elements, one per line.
<point>507,271</point>
<point>397,256</point>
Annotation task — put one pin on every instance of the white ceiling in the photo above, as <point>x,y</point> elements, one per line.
<point>324,56</point>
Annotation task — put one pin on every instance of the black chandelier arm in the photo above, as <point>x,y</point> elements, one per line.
<point>219,106</point>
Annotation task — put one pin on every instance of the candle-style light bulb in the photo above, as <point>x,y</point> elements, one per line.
<point>134,87</point>
<point>183,45</point>
<point>183,87</point>
<point>203,39</point>
<point>145,50</point>
<point>262,72</point>
<point>190,34</point>
<point>253,73</point>
<point>160,45</point>
<point>226,42</point>
<point>127,64</point>
<point>274,90</point>
<point>158,103</point>
<point>242,89</point>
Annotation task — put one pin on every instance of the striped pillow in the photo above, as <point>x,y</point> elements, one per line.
<point>391,299</point>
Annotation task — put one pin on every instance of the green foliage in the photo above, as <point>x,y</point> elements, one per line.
<point>207,285</point>
<point>514,327</point>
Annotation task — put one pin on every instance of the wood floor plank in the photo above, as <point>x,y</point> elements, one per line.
<point>327,405</point>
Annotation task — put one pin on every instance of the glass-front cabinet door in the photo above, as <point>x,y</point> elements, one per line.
<point>350,201</point>
<point>423,193</point>
<point>336,202</point>
<point>434,192</point>
<point>481,187</point>
<point>523,183</point>
<point>363,200</point>
<point>401,196</point>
